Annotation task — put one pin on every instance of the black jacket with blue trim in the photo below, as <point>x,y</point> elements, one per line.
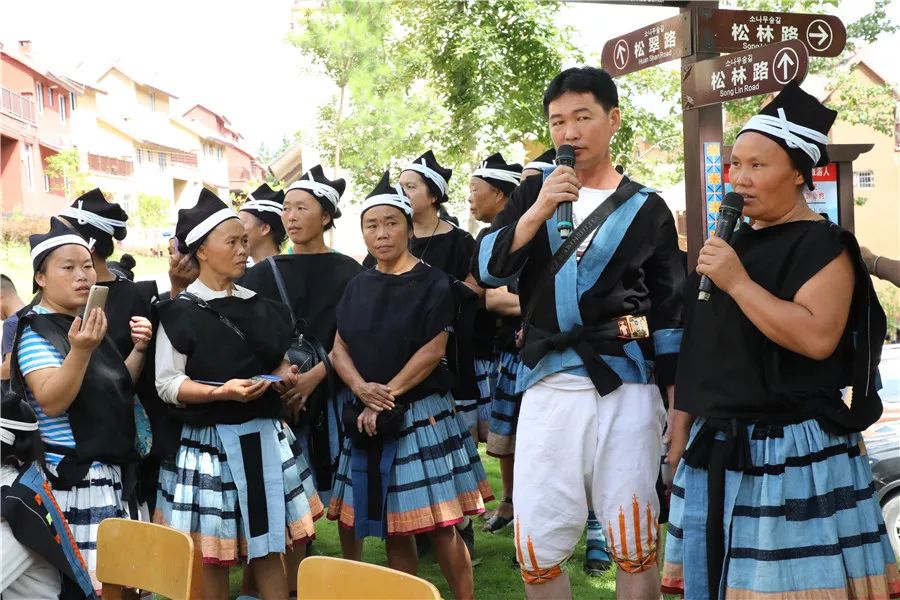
<point>632,267</point>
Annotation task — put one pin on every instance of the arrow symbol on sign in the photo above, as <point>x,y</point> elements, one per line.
<point>822,35</point>
<point>784,63</point>
<point>620,53</point>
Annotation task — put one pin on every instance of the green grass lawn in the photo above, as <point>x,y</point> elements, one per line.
<point>495,576</point>
<point>16,264</point>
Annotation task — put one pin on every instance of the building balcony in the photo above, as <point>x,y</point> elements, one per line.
<point>110,166</point>
<point>17,106</point>
<point>184,159</point>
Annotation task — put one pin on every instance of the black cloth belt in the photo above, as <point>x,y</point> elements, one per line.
<point>716,456</point>
<point>588,343</point>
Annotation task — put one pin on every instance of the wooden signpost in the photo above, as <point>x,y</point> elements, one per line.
<point>768,50</point>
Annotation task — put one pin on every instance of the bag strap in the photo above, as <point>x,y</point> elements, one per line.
<point>205,306</point>
<point>282,289</point>
<point>320,349</point>
<point>593,222</point>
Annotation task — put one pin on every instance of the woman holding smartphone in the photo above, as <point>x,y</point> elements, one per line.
<point>236,484</point>
<point>75,380</point>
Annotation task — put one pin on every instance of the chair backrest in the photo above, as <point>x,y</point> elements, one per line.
<point>151,557</point>
<point>327,578</point>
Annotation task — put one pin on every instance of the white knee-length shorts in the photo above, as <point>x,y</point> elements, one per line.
<point>578,450</point>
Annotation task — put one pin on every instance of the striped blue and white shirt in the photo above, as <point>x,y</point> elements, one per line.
<point>36,353</point>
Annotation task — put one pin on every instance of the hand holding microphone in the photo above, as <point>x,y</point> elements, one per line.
<point>565,157</point>
<point>561,187</point>
<point>718,263</point>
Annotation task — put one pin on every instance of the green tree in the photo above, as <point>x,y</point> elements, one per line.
<point>461,78</point>
<point>856,103</point>
<point>490,62</point>
<point>66,165</point>
<point>152,210</point>
<point>649,143</point>
<point>347,39</point>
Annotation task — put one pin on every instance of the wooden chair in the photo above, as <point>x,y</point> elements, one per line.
<point>150,557</point>
<point>327,578</point>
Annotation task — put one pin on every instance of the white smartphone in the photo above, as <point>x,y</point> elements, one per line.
<point>96,299</point>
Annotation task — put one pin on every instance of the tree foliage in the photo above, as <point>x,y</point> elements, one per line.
<point>461,78</point>
<point>649,143</point>
<point>466,79</point>
<point>152,210</point>
<point>65,165</point>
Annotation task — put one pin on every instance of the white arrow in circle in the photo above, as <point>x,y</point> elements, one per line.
<point>620,54</point>
<point>819,35</point>
<point>822,35</point>
<point>784,63</point>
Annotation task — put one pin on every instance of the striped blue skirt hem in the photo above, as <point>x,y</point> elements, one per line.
<point>437,477</point>
<point>803,521</point>
<point>505,407</point>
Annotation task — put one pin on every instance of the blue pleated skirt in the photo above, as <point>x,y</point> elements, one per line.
<point>198,495</point>
<point>803,522</point>
<point>437,477</point>
<point>505,407</point>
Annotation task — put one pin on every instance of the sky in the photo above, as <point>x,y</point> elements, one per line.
<point>234,56</point>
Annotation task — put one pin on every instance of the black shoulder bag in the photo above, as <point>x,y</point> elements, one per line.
<point>305,352</point>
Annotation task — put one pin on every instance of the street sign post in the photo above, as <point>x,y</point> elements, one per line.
<point>657,43</point>
<point>769,50</point>
<point>725,30</point>
<point>742,74</point>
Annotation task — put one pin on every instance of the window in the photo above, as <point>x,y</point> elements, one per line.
<point>72,103</point>
<point>137,154</point>
<point>162,161</point>
<point>39,96</point>
<point>28,166</point>
<point>149,156</point>
<point>152,101</point>
<point>864,179</point>
<point>62,108</point>
<point>50,98</point>
<point>46,182</point>
<point>219,153</point>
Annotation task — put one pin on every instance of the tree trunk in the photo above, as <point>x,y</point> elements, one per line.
<point>337,137</point>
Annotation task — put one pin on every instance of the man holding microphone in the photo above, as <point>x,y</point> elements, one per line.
<point>602,315</point>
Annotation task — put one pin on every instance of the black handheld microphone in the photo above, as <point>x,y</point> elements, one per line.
<point>565,155</point>
<point>729,213</point>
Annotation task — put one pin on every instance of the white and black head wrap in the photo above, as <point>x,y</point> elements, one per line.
<point>95,218</point>
<point>497,172</point>
<point>541,162</point>
<point>326,191</point>
<point>799,123</point>
<point>267,205</point>
<point>196,223</point>
<point>42,244</point>
<point>436,177</point>
<point>386,194</point>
